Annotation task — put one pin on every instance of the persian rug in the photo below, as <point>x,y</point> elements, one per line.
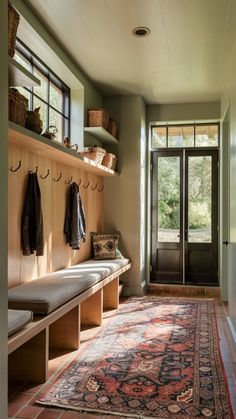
<point>157,357</point>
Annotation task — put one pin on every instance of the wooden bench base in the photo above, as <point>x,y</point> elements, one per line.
<point>29,348</point>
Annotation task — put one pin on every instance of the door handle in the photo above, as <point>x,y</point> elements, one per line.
<point>226,242</point>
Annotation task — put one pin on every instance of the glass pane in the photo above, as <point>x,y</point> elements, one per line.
<point>159,137</point>
<point>56,120</point>
<point>168,188</point>
<point>43,110</point>
<point>56,97</point>
<point>207,135</point>
<point>22,60</point>
<point>181,136</point>
<point>199,199</point>
<point>41,90</point>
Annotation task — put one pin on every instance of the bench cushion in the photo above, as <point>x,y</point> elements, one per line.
<point>17,319</point>
<point>47,293</point>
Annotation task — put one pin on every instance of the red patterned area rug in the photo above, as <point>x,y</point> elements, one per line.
<point>157,357</point>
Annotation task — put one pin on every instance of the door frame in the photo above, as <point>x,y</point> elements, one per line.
<point>224,252</point>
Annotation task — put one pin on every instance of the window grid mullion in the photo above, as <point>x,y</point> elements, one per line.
<point>48,100</point>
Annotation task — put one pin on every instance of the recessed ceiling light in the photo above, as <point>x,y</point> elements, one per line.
<point>141,31</point>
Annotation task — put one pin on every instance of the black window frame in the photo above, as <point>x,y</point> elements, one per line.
<point>35,62</point>
<point>194,125</point>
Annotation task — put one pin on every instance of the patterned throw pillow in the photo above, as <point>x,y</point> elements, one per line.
<point>104,245</point>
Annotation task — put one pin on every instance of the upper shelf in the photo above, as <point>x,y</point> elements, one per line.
<point>19,76</point>
<point>101,134</point>
<point>43,146</point>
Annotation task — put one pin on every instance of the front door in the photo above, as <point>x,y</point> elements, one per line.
<point>184,217</point>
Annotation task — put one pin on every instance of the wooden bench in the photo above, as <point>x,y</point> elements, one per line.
<point>29,348</point>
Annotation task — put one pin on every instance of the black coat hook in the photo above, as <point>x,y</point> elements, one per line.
<point>57,179</point>
<point>100,190</point>
<point>79,182</point>
<point>47,174</point>
<point>94,187</point>
<point>85,187</point>
<point>69,181</point>
<point>17,168</point>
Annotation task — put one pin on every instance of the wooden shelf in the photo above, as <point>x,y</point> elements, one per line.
<point>43,146</point>
<point>19,76</point>
<point>101,134</point>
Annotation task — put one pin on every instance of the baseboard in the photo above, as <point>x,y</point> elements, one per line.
<point>232,329</point>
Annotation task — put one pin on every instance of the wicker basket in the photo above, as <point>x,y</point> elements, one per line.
<point>98,117</point>
<point>112,128</point>
<point>17,107</point>
<point>13,22</point>
<point>109,160</point>
<point>94,153</point>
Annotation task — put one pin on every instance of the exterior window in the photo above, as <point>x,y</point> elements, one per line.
<point>185,136</point>
<point>53,96</point>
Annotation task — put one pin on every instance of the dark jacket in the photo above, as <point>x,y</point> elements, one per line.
<point>74,228</point>
<point>32,219</point>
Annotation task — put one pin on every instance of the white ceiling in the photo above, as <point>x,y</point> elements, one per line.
<point>181,61</point>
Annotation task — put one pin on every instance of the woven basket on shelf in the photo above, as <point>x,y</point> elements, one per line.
<point>94,153</point>
<point>13,22</point>
<point>17,107</point>
<point>112,128</point>
<point>109,160</point>
<point>98,117</point>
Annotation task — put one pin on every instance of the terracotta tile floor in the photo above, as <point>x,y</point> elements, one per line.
<point>22,396</point>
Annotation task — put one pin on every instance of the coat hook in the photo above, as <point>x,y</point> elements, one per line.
<point>17,168</point>
<point>44,177</point>
<point>85,187</point>
<point>94,187</point>
<point>79,182</point>
<point>57,179</point>
<point>69,181</point>
<point>100,190</point>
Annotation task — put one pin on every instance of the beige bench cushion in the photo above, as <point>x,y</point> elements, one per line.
<point>17,319</point>
<point>45,294</point>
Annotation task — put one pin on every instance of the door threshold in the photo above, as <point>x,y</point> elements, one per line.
<point>184,290</point>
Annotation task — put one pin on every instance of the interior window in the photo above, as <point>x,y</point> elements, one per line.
<point>53,95</point>
<point>184,136</point>
<point>181,136</point>
<point>207,136</point>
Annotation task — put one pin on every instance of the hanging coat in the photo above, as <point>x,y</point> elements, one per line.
<point>75,227</point>
<point>32,219</point>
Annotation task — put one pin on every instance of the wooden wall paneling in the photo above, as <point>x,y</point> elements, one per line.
<point>57,254</point>
<point>45,261</point>
<point>61,253</point>
<point>29,264</point>
<point>15,200</point>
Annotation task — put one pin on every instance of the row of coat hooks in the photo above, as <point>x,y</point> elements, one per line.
<point>57,179</point>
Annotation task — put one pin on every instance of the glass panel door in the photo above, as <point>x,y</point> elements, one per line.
<point>184,217</point>
<point>201,205</point>
<point>166,215</point>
